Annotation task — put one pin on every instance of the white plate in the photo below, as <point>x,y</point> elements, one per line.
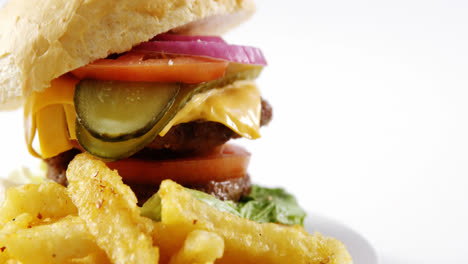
<point>360,249</point>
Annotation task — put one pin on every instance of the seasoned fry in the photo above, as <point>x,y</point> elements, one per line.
<point>46,200</point>
<point>96,220</point>
<point>58,242</point>
<point>245,241</point>
<point>12,261</point>
<point>109,208</point>
<point>22,221</point>
<point>200,247</point>
<point>97,257</point>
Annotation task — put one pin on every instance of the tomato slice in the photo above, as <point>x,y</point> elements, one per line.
<point>147,67</point>
<point>229,162</point>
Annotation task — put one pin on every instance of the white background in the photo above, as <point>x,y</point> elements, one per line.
<point>370,118</point>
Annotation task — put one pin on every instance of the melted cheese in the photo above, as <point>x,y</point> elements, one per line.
<point>237,106</point>
<point>60,93</point>
<point>53,130</point>
<point>52,113</point>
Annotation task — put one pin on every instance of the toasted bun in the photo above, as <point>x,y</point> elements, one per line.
<point>41,40</point>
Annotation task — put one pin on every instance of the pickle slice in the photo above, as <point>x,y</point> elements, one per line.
<point>117,111</point>
<point>111,151</point>
<point>121,149</point>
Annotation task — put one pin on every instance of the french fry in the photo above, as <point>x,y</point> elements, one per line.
<point>12,261</point>
<point>109,208</point>
<point>58,242</point>
<point>96,220</point>
<point>97,257</point>
<point>200,247</point>
<point>245,241</point>
<point>21,221</point>
<point>43,201</point>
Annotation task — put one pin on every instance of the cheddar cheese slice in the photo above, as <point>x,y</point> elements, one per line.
<point>52,113</point>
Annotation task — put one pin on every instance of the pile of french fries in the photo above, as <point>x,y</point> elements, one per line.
<point>96,220</point>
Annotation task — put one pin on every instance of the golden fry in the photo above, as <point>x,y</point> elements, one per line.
<point>43,201</point>
<point>109,208</point>
<point>22,221</point>
<point>200,247</point>
<point>96,220</point>
<point>245,241</point>
<point>98,257</point>
<point>58,242</point>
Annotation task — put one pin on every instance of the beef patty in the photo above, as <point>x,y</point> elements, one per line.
<point>232,189</point>
<point>198,136</point>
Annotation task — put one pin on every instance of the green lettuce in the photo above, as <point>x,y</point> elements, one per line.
<point>263,205</point>
<point>152,208</point>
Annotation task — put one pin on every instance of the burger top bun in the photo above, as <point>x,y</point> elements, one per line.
<point>43,39</point>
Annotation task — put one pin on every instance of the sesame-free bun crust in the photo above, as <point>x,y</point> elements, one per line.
<point>41,40</point>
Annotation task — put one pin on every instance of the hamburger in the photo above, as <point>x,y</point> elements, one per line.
<point>148,87</point>
<point>154,107</point>
<point>157,101</point>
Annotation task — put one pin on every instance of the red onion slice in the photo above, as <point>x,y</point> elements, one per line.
<point>216,50</point>
<point>170,37</point>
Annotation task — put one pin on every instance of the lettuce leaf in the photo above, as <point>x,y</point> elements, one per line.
<point>263,205</point>
<point>152,208</point>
